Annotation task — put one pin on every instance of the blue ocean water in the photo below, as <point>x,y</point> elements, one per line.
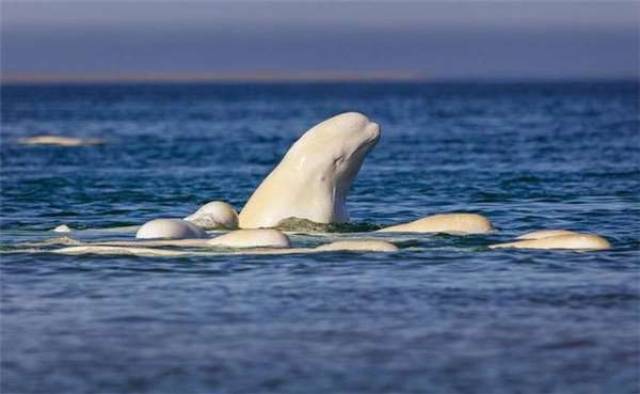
<point>444,315</point>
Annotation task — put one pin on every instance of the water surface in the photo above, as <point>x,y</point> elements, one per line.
<point>445,314</point>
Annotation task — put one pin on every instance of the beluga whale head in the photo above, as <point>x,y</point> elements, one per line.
<point>314,177</point>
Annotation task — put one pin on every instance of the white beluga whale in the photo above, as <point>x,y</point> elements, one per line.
<point>257,238</point>
<point>447,223</point>
<point>238,239</point>
<point>557,239</point>
<point>365,245</point>
<point>215,215</point>
<point>314,177</point>
<point>539,234</point>
<point>170,229</point>
<point>242,240</point>
<point>56,140</point>
<point>63,228</point>
<point>245,241</point>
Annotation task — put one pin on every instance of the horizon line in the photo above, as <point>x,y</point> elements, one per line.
<point>277,77</point>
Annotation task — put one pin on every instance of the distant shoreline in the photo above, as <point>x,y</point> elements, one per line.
<point>252,77</point>
<point>293,80</point>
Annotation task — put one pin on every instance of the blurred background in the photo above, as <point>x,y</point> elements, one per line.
<point>192,40</point>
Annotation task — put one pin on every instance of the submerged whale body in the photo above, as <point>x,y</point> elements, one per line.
<point>539,234</point>
<point>259,238</point>
<point>447,223</point>
<point>170,229</point>
<point>56,140</point>
<point>556,239</point>
<point>314,177</point>
<point>372,245</point>
<point>63,228</point>
<point>215,215</point>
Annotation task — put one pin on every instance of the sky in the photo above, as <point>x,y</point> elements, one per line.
<point>446,40</point>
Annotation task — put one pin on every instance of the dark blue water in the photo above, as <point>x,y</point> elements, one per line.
<point>443,315</point>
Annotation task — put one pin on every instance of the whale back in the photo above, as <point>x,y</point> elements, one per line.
<point>215,215</point>
<point>170,229</point>
<point>315,175</point>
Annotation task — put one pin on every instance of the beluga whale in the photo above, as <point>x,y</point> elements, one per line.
<point>314,177</point>
<point>556,239</point>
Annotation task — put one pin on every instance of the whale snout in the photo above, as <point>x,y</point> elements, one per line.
<point>359,124</point>
<point>353,118</point>
<point>373,131</point>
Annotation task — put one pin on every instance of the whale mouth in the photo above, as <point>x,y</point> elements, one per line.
<point>368,137</point>
<point>348,164</point>
<point>372,130</point>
